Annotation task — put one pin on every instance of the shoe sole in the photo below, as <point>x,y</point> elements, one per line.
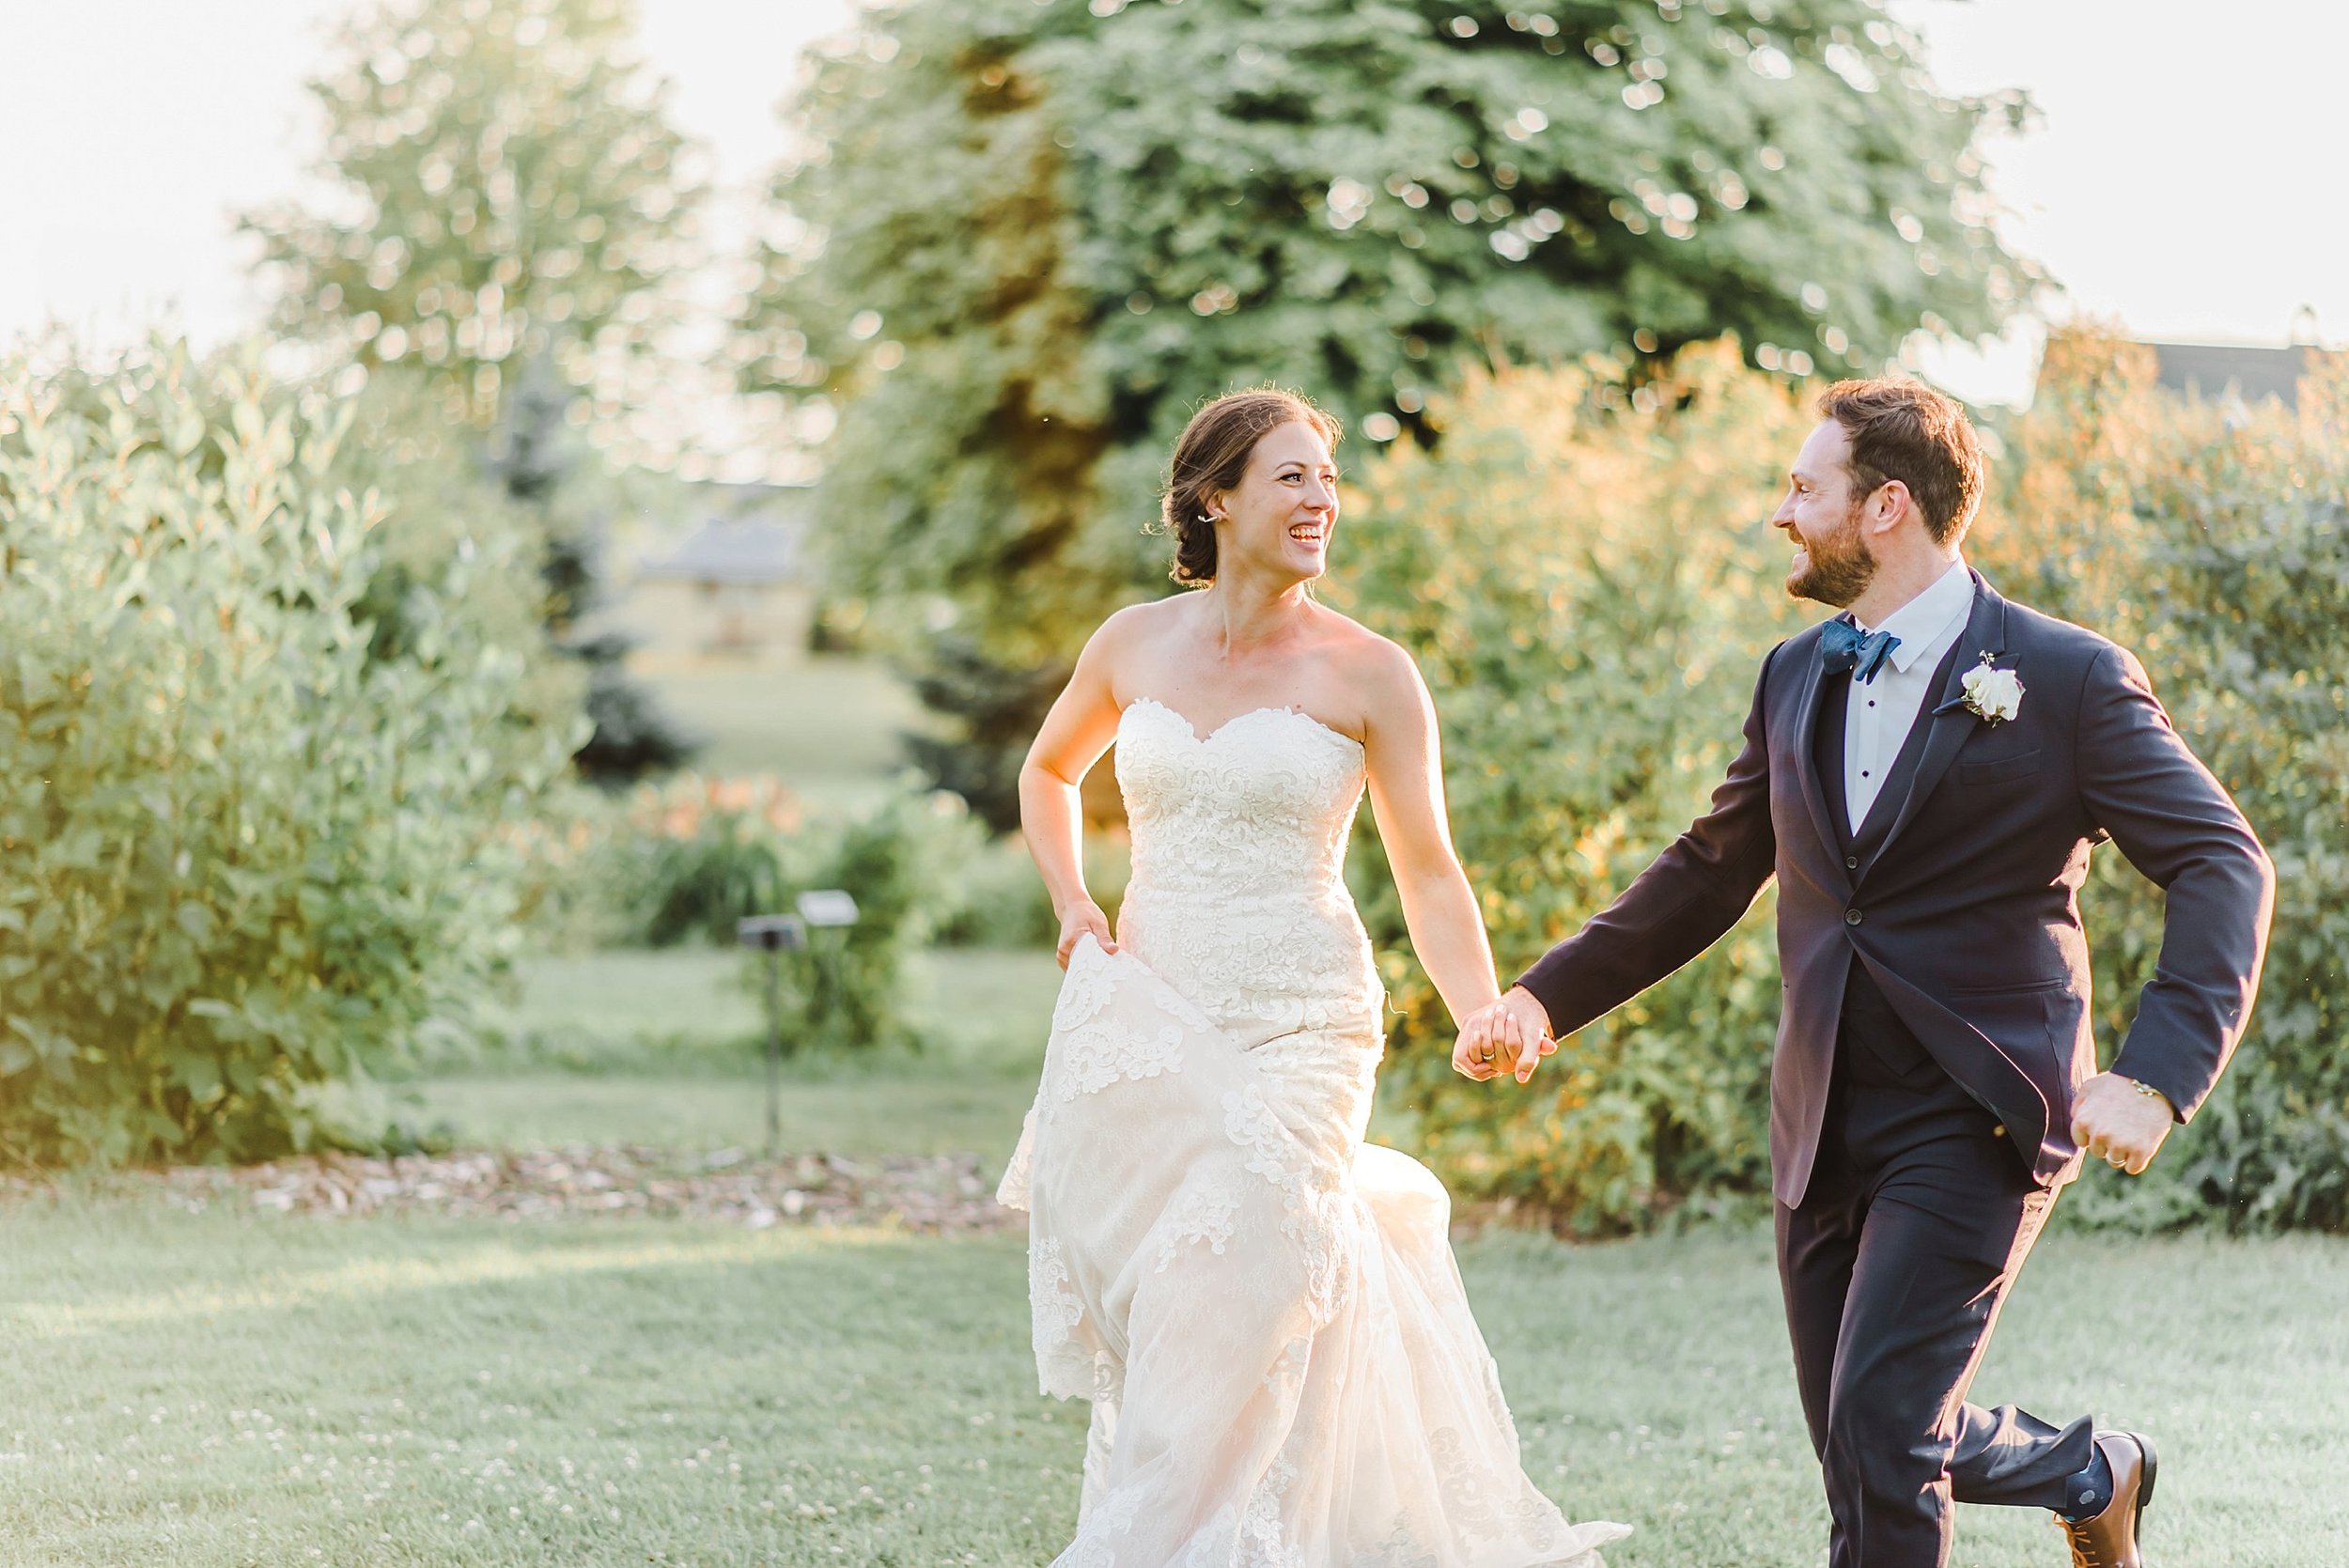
<point>2145,1488</point>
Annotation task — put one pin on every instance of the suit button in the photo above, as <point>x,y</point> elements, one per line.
<point>1851,863</point>
<point>1998,1131</point>
<point>1853,917</point>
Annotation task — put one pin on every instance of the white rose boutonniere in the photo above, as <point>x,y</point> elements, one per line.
<point>1994,696</point>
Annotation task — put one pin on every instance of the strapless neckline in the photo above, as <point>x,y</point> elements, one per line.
<point>1268,711</point>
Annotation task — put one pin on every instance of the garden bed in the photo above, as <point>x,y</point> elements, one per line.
<point>928,1194</point>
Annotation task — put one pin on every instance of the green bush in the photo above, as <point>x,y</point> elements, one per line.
<point>900,861</point>
<point>1583,574</point>
<point>2215,543</point>
<point>691,856</point>
<point>251,847</point>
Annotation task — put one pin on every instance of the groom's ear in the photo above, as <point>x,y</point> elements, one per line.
<point>1887,506</point>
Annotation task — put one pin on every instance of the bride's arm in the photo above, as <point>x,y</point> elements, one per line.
<point>1406,768</point>
<point>1079,727</point>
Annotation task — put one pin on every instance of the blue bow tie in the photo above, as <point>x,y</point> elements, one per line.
<point>1862,653</point>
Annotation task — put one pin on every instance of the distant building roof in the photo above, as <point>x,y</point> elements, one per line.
<point>758,539</point>
<point>2212,370</point>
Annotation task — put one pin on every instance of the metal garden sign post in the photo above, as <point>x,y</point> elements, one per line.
<point>828,908</point>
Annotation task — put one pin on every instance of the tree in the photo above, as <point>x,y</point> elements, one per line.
<point>453,541</point>
<point>510,209</point>
<point>1027,239</point>
<point>507,189</point>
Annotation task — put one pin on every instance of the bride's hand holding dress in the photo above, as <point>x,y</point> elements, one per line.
<point>1082,918</point>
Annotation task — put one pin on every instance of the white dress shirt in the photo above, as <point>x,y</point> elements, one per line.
<point>1878,714</point>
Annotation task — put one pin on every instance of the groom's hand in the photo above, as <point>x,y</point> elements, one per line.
<point>2119,1122</point>
<point>1511,1035</point>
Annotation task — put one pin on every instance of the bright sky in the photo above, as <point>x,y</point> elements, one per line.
<point>2183,176</point>
<point>2178,180</point>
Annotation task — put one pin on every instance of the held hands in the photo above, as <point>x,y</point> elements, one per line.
<point>1510,1035</point>
<point>1082,918</point>
<point>2114,1121</point>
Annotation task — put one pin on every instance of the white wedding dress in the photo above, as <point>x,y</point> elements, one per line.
<point>1263,1310</point>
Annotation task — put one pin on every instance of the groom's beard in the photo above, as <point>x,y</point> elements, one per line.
<point>1837,568</point>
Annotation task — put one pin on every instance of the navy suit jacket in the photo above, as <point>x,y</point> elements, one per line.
<point>1965,910</point>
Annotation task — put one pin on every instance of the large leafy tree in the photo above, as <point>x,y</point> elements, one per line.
<point>505,189</point>
<point>1027,237</point>
<point>508,213</point>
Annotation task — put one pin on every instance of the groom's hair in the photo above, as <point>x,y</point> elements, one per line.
<point>1213,454</point>
<point>1906,430</point>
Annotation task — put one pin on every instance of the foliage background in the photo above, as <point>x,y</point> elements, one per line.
<point>509,226</point>
<point>256,778</point>
<point>2214,542</point>
<point>295,665</point>
<point>1582,576</point>
<point>1581,571</point>
<point>1025,241</point>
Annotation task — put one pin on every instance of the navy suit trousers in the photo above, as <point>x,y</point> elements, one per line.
<point>1918,1219</point>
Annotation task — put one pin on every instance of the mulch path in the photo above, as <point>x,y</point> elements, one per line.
<point>930,1194</point>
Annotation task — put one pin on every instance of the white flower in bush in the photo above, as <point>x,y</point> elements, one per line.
<point>1992,695</point>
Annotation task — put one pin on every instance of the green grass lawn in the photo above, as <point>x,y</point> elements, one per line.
<point>828,727</point>
<point>870,1116</point>
<point>662,1049</point>
<point>231,1390</point>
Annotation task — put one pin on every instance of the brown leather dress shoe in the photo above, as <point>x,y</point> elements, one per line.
<point>2110,1539</point>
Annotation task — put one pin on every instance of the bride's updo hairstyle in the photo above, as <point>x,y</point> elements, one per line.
<point>1213,454</point>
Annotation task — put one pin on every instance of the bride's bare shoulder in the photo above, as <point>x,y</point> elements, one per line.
<point>1131,640</point>
<point>1377,667</point>
<point>1359,648</point>
<point>1156,614</point>
<point>1136,625</point>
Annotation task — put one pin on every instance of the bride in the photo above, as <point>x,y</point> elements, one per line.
<point>1263,1310</point>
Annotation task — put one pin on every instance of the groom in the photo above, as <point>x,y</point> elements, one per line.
<point>1925,776</point>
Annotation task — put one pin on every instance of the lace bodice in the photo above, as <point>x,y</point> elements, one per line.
<point>1238,895</point>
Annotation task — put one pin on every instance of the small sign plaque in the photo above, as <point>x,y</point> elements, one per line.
<point>827,907</point>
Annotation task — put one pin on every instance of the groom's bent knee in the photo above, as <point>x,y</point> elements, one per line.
<point>1887,1452</point>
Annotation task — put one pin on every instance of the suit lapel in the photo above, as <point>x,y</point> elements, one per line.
<point>1807,755</point>
<point>1985,633</point>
